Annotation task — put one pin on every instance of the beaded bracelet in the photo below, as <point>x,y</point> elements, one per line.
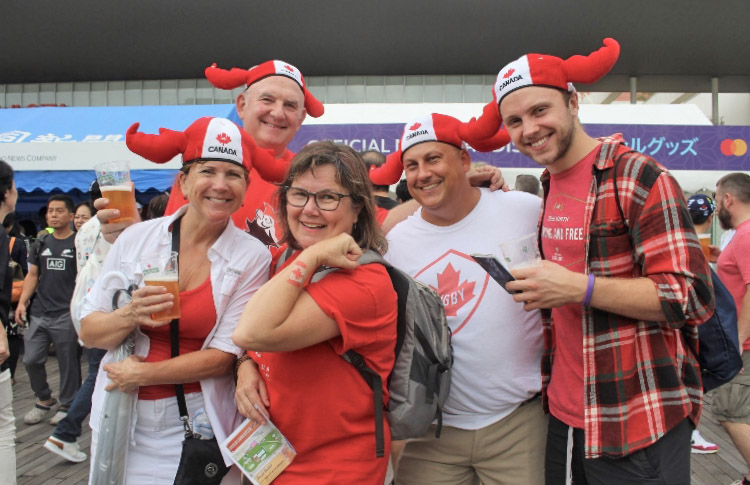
<point>238,363</point>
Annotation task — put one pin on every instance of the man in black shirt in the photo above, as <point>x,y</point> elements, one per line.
<point>52,274</point>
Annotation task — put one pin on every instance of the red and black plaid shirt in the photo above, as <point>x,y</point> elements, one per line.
<point>640,379</point>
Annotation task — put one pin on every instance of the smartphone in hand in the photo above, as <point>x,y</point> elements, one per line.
<point>495,268</point>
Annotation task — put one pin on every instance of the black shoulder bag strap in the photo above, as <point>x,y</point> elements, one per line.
<point>174,338</point>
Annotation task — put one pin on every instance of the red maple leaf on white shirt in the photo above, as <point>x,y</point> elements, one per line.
<point>453,294</point>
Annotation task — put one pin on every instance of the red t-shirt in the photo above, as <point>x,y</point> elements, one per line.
<point>562,243</point>
<point>733,268</point>
<point>197,318</point>
<point>319,401</point>
<point>380,215</point>
<point>257,216</point>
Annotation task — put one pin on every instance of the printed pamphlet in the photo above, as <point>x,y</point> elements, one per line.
<point>259,450</point>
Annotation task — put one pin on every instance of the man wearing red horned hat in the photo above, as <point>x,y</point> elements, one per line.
<point>272,108</point>
<point>622,288</point>
<point>493,428</point>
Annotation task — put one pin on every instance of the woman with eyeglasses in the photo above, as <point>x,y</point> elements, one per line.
<point>297,330</point>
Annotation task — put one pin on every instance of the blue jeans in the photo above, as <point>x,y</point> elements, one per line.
<point>69,428</point>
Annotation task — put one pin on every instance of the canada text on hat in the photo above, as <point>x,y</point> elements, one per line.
<point>551,71</point>
<point>206,139</point>
<point>435,127</point>
<point>544,70</point>
<point>235,77</point>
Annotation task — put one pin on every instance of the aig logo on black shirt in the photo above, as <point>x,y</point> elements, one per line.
<point>57,264</point>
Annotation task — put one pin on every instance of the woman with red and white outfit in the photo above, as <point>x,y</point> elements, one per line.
<point>296,330</point>
<point>220,267</point>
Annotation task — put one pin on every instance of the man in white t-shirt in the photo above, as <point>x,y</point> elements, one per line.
<point>493,426</point>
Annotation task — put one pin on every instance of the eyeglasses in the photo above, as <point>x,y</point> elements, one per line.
<point>325,200</point>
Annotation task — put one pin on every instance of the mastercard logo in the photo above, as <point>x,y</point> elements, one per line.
<point>733,147</point>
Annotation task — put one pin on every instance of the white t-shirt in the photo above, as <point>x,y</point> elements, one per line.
<point>239,266</point>
<point>497,345</point>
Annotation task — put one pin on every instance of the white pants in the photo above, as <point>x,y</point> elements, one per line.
<point>7,431</point>
<point>158,441</point>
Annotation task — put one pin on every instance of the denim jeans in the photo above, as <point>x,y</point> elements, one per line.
<point>69,428</point>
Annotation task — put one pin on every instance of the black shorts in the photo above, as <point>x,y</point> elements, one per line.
<point>667,461</point>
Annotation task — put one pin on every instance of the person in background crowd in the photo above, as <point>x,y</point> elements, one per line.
<point>731,404</point>
<point>157,206</point>
<point>374,158</point>
<point>402,192</point>
<point>83,212</point>
<point>28,229</point>
<point>528,183</point>
<point>7,420</point>
<point>18,255</point>
<point>52,274</point>
<point>43,222</point>
<point>701,209</point>
<point>621,290</point>
<point>493,427</point>
<point>296,330</point>
<point>215,281</point>
<point>89,244</point>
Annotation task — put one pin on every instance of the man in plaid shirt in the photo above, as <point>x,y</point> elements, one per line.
<point>623,285</point>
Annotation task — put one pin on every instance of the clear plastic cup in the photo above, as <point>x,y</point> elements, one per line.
<point>114,182</point>
<point>521,252</point>
<point>161,270</point>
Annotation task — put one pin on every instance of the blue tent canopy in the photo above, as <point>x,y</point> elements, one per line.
<point>67,180</point>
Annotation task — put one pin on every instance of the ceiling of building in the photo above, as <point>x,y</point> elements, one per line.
<point>669,45</point>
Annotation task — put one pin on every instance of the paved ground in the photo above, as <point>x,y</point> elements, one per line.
<point>36,466</point>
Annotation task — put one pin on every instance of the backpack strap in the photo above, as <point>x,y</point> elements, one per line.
<point>376,384</point>
<point>39,245</point>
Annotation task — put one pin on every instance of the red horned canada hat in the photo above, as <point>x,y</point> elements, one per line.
<point>235,77</point>
<point>548,71</point>
<point>435,127</point>
<point>206,139</point>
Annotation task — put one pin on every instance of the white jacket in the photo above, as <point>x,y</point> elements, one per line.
<point>239,266</point>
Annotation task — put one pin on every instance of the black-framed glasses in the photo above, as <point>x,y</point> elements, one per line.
<point>326,200</point>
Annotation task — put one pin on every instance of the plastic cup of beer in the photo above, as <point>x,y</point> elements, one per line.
<point>161,270</point>
<point>114,182</point>
<point>705,240</point>
<point>521,252</point>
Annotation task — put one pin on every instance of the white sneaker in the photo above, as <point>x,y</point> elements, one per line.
<point>698,444</point>
<point>57,417</point>
<point>69,451</point>
<point>38,413</point>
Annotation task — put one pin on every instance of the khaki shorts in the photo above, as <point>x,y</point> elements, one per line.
<point>732,400</point>
<point>509,451</point>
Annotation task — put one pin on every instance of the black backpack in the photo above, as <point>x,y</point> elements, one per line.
<point>718,356</point>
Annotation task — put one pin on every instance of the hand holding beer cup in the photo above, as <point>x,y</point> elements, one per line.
<point>114,182</point>
<point>106,214</point>
<point>161,270</point>
<point>521,252</point>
